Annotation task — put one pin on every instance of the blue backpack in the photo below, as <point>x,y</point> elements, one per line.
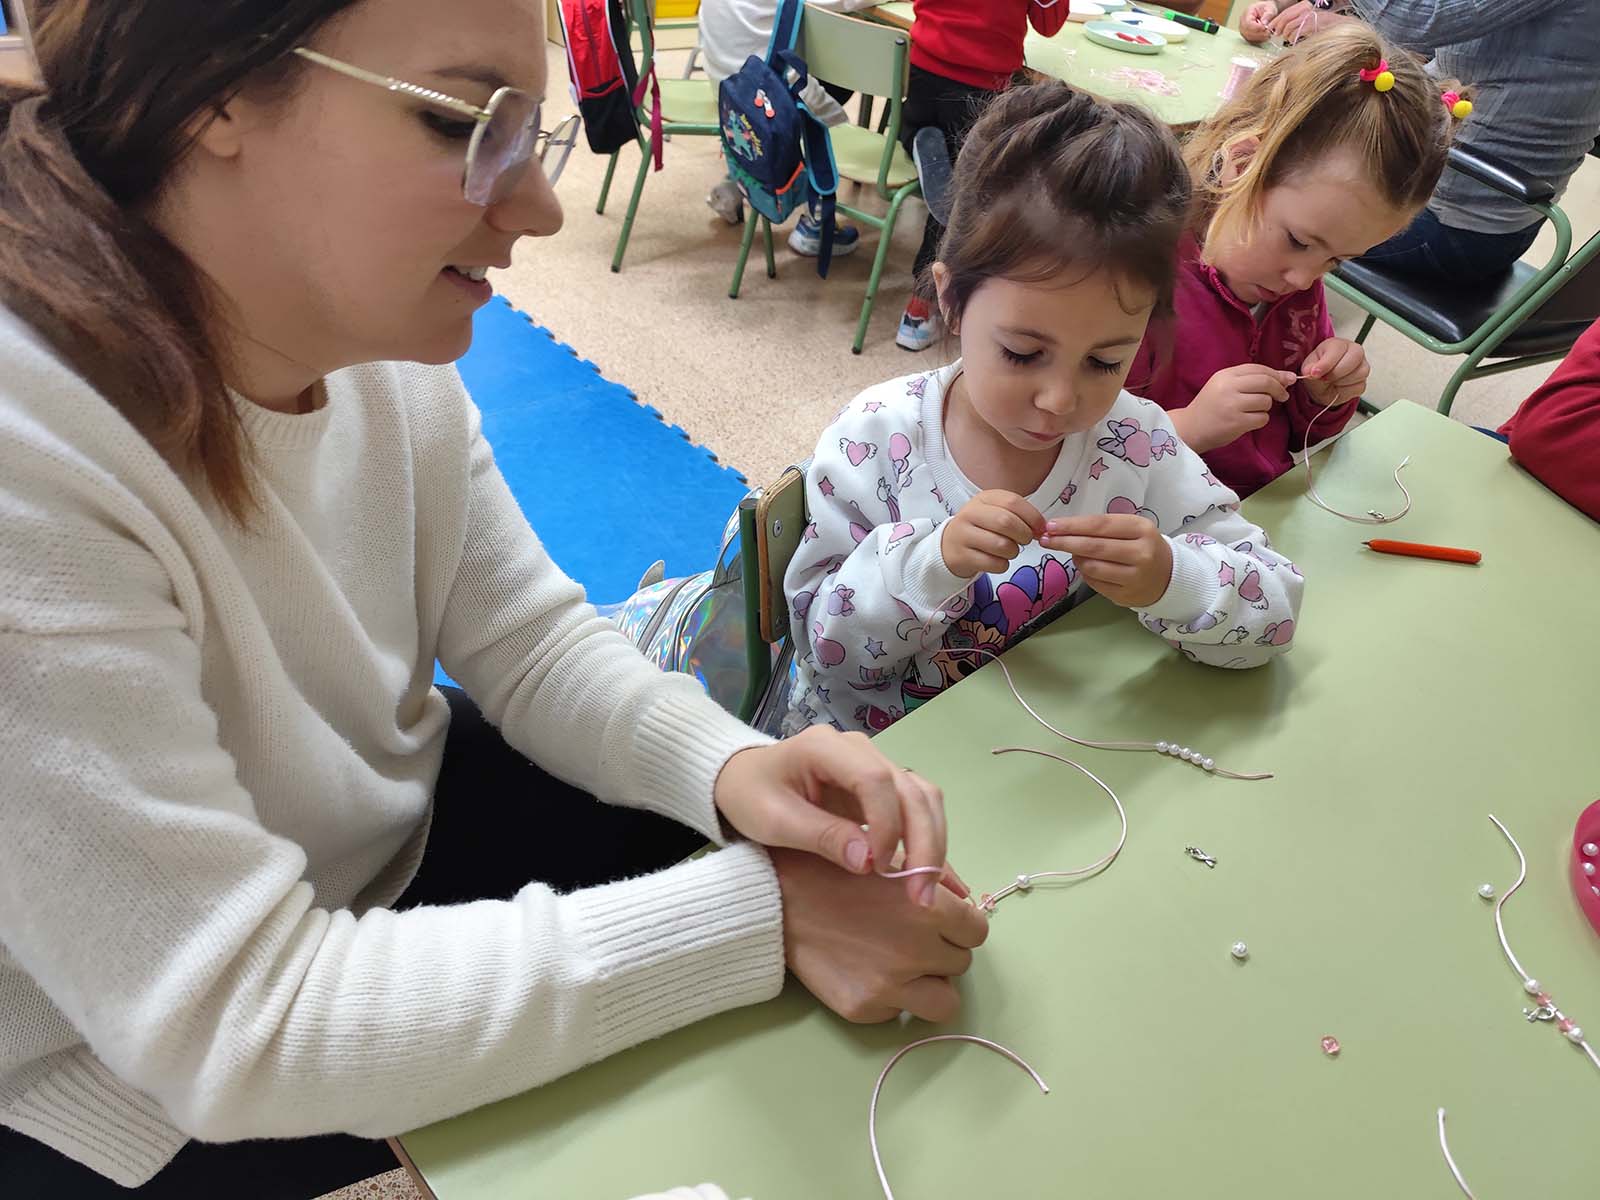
<point>777,148</point>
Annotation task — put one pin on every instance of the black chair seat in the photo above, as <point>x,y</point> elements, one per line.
<point>1450,312</point>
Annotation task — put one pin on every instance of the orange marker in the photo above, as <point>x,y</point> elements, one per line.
<point>1418,550</point>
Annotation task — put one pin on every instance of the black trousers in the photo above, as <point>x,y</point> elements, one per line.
<point>947,105</point>
<point>499,822</point>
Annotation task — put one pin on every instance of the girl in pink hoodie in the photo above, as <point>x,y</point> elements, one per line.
<point>1329,150</point>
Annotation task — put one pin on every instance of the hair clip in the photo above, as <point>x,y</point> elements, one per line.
<point>1380,77</point>
<point>1458,106</point>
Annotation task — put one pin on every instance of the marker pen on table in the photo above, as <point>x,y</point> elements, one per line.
<point>1203,24</point>
<point>1418,550</point>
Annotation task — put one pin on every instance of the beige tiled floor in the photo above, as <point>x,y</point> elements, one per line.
<point>757,378</point>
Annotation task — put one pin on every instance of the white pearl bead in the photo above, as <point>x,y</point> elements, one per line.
<point>1588,868</point>
<point>1195,756</point>
<point>1240,951</point>
<point>1595,890</point>
<point>1486,891</point>
<point>1575,1034</point>
<point>1184,752</point>
<point>1207,764</point>
<point>1590,849</point>
<point>1023,883</point>
<point>1532,987</point>
<point>1162,747</point>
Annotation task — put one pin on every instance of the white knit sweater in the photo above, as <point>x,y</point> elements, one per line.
<point>219,748</point>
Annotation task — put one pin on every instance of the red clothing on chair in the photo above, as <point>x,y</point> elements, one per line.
<point>1556,432</point>
<point>978,42</point>
<point>1214,330</point>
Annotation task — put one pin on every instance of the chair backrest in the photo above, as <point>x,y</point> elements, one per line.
<point>863,56</point>
<point>1577,289</point>
<point>780,520</point>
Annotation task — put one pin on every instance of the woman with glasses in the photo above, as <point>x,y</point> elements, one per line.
<point>259,878</point>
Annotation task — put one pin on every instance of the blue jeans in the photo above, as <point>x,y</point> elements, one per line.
<point>1444,254</point>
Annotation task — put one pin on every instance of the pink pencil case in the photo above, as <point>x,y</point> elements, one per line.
<point>1586,863</point>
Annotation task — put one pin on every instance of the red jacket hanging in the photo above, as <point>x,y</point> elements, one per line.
<point>1556,432</point>
<point>978,42</point>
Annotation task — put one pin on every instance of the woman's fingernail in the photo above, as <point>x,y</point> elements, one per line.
<point>856,855</point>
<point>929,885</point>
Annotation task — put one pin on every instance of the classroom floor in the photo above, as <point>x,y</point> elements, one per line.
<point>756,379</point>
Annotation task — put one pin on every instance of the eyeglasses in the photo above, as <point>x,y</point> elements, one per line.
<point>505,132</point>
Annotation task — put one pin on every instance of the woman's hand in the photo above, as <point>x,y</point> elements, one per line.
<point>865,950</point>
<point>1302,19</point>
<point>1336,371</point>
<point>1122,556</point>
<point>1256,24</point>
<point>814,791</point>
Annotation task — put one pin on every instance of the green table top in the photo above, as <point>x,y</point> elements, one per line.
<point>1418,697</point>
<point>1181,85</point>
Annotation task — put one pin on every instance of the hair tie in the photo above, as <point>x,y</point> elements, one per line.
<point>1457,105</point>
<point>1380,77</point>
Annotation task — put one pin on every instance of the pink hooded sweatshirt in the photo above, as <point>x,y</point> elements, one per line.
<point>1214,329</point>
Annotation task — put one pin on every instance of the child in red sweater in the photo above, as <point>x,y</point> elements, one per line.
<point>1309,165</point>
<point>1556,432</point>
<point>963,53</point>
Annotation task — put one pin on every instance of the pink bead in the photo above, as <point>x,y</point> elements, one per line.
<point>1544,999</point>
<point>1330,1046</point>
<point>1565,1024</point>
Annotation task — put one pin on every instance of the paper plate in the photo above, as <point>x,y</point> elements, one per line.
<point>1084,11</point>
<point>1151,23</point>
<point>1121,36</point>
<point>1112,5</point>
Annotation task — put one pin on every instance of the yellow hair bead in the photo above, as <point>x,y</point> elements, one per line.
<point>1460,109</point>
<point>1384,81</point>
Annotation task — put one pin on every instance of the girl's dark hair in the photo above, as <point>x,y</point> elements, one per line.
<point>1311,102</point>
<point>1049,180</point>
<point>81,163</point>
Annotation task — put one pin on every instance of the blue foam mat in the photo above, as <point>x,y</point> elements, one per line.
<point>607,484</point>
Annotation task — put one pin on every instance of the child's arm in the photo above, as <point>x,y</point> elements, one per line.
<point>1229,599</point>
<point>1047,20</point>
<point>1556,432</point>
<point>869,580</point>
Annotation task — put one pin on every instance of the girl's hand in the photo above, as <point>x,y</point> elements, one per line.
<point>1234,401</point>
<point>1256,24</point>
<point>865,950</point>
<point>990,530</point>
<point>814,791</point>
<point>1302,19</point>
<point>1122,556</point>
<point>1336,371</point>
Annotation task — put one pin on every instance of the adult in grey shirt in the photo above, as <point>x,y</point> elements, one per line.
<point>1534,70</point>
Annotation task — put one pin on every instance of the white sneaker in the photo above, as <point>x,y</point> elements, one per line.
<point>726,202</point>
<point>918,333</point>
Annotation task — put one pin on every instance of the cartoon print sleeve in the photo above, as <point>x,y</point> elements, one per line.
<point>869,575</point>
<point>1232,600</point>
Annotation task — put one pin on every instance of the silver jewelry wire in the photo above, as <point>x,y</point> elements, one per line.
<point>1146,747</point>
<point>872,1111</point>
<point>1450,1162</point>
<point>1373,517</point>
<point>1025,881</point>
<point>1500,927</point>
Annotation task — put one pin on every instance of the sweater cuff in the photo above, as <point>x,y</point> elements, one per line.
<point>678,946</point>
<point>1191,588</point>
<point>682,744</point>
<point>926,583</point>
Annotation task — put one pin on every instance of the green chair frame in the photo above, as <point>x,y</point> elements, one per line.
<point>1501,324</point>
<point>686,91</point>
<point>874,60</point>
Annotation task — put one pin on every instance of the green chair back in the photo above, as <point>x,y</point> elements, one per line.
<point>863,56</point>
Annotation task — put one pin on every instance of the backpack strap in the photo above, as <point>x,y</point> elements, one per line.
<point>785,28</point>
<point>819,162</point>
<point>648,81</point>
<point>656,133</point>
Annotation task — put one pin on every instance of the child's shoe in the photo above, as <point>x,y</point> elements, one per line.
<point>920,326</point>
<point>806,237</point>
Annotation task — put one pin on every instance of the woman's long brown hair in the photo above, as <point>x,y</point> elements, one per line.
<point>125,85</point>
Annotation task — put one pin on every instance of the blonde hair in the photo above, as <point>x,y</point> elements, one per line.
<point>1311,102</point>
